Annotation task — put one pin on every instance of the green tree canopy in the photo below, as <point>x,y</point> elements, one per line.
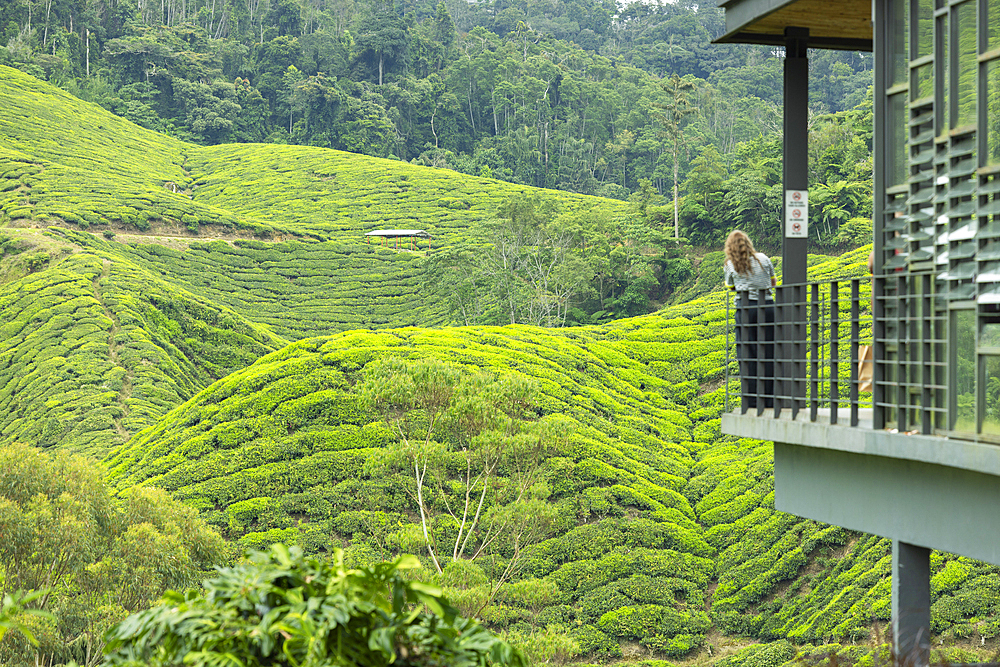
<point>96,557</point>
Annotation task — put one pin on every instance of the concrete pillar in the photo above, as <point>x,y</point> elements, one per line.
<point>911,604</point>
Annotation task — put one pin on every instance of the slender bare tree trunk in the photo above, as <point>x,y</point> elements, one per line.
<point>472,118</point>
<point>677,227</point>
<point>45,34</point>
<point>423,515</point>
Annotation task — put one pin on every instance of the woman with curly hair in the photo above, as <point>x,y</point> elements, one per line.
<point>751,274</point>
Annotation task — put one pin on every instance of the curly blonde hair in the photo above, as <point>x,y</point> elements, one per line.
<point>739,251</point>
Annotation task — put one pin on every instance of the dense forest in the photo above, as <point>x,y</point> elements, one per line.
<point>586,96</point>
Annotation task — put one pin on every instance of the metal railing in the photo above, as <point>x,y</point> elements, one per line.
<point>911,348</point>
<point>801,350</point>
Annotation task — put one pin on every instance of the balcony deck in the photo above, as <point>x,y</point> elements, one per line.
<point>981,457</point>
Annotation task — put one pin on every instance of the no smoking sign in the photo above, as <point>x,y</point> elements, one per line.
<point>797,213</point>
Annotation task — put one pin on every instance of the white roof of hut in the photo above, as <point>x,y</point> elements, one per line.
<point>391,233</point>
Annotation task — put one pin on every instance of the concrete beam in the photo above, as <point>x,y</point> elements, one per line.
<point>922,504</point>
<point>976,456</point>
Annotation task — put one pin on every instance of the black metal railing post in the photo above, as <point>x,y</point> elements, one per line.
<point>728,359</point>
<point>814,354</point>
<point>742,346</point>
<point>834,350</point>
<point>760,364</point>
<point>855,339</point>
<point>799,330</point>
<point>780,372</point>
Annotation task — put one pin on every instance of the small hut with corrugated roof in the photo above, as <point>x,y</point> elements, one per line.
<point>396,234</point>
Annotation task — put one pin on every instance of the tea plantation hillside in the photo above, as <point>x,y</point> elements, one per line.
<point>336,195</point>
<point>298,288</point>
<point>93,348</point>
<point>662,535</point>
<point>298,214</point>
<point>65,159</point>
<point>284,450</point>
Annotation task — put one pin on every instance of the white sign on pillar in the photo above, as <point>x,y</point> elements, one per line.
<point>797,214</point>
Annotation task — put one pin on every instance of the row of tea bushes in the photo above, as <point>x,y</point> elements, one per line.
<point>784,578</point>
<point>877,651</point>
<point>57,384</point>
<point>840,601</point>
<point>298,288</point>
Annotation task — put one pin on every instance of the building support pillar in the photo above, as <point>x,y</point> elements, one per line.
<point>911,604</point>
<point>796,147</point>
<point>795,176</point>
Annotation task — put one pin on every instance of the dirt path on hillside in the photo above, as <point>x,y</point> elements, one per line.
<point>114,346</point>
<point>169,235</point>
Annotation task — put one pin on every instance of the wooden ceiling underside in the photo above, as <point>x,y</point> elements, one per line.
<point>831,23</point>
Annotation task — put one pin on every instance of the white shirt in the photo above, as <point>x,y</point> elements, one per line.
<point>761,273</point>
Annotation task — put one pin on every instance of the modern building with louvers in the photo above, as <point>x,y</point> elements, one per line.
<point>917,459</point>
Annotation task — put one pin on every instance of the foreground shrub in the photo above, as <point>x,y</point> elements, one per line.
<point>95,558</point>
<point>281,608</point>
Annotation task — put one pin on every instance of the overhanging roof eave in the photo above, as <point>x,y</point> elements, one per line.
<point>817,42</point>
<point>763,22</point>
<point>741,13</point>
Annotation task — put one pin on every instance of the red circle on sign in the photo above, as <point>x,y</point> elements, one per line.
<point>797,196</point>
